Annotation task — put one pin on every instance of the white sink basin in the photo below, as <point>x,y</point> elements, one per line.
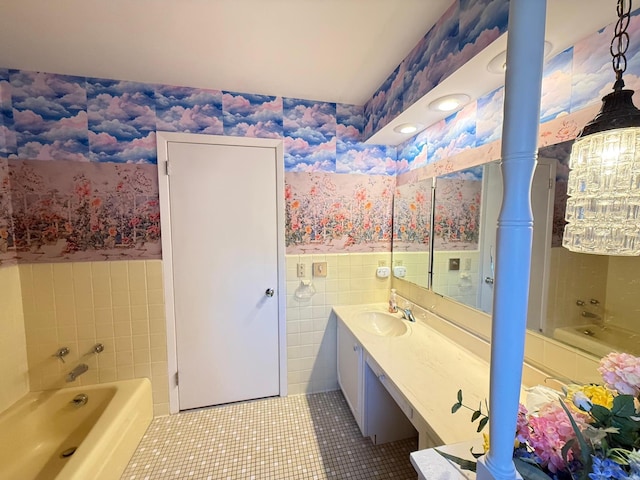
<point>382,324</point>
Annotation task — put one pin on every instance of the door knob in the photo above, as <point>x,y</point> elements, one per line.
<point>269,292</point>
<point>488,280</point>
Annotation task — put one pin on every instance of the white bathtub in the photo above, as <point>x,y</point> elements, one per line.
<point>106,431</point>
<point>598,340</point>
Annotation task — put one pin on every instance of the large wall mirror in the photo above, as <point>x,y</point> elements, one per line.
<point>587,301</point>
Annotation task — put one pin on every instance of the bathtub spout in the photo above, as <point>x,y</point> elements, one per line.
<point>77,371</point>
<point>591,315</point>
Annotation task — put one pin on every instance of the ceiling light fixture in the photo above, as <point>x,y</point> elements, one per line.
<point>406,128</point>
<point>603,208</point>
<point>498,64</point>
<point>449,103</point>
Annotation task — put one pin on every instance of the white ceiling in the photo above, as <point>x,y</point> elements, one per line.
<point>329,50</point>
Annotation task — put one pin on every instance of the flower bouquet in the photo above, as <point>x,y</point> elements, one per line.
<point>588,432</point>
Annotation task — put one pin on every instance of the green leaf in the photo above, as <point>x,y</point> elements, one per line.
<point>459,396</point>
<point>456,407</point>
<point>475,415</point>
<point>601,414</point>
<point>464,464</point>
<point>585,448</point>
<point>565,449</point>
<point>482,424</point>
<point>529,471</point>
<point>623,406</point>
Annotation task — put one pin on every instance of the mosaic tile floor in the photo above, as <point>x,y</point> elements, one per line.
<point>298,437</point>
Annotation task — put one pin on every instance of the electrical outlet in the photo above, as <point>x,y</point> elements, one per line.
<point>301,270</point>
<point>467,264</point>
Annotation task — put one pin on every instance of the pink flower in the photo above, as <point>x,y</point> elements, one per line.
<point>550,431</point>
<point>522,425</point>
<point>621,372</point>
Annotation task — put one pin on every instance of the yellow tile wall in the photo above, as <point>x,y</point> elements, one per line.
<point>622,307</point>
<point>13,347</point>
<point>311,333</point>
<point>76,305</point>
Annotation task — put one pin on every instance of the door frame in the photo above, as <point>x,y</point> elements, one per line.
<point>162,141</point>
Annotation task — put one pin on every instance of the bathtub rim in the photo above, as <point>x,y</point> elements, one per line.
<point>109,445</point>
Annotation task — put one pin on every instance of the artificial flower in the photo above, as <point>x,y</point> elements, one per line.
<point>621,372</point>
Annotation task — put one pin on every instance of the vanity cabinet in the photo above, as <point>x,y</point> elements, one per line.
<point>351,372</point>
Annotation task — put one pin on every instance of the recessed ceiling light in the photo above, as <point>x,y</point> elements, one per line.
<point>449,103</point>
<point>406,128</point>
<point>498,64</point>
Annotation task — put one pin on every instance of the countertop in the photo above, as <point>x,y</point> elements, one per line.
<point>428,368</point>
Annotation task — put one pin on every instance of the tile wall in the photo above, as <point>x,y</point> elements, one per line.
<point>416,263</point>
<point>120,304</point>
<point>13,347</point>
<point>572,277</point>
<point>462,284</point>
<point>622,278</point>
<point>311,330</point>
<point>76,305</point>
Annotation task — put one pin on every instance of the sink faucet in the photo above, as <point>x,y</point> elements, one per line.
<point>407,314</point>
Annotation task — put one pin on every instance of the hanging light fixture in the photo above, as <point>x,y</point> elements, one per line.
<point>603,208</point>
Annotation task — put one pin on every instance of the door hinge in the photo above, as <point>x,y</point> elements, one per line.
<point>551,180</point>
<point>176,378</point>
<point>166,168</point>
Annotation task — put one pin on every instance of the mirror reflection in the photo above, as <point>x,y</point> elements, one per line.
<point>412,230</point>
<point>587,301</point>
<point>456,258</point>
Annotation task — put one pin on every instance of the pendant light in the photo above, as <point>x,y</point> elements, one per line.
<point>603,208</point>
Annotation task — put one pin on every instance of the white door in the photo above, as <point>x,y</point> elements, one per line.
<point>223,219</point>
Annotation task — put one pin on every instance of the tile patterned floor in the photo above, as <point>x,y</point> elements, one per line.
<point>297,437</point>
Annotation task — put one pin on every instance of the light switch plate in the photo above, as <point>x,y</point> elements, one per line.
<point>320,269</point>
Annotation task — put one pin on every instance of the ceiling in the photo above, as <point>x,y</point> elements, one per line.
<point>328,50</point>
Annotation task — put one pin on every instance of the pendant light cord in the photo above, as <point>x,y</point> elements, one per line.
<point>620,42</point>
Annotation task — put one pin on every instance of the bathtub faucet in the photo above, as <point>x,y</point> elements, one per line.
<point>77,371</point>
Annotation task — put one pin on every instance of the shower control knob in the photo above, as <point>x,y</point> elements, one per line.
<point>269,292</point>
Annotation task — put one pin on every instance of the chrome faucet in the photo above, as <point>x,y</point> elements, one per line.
<point>591,315</point>
<point>407,314</point>
<point>77,371</point>
<point>80,399</point>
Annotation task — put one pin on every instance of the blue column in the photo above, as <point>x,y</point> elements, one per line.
<point>525,52</point>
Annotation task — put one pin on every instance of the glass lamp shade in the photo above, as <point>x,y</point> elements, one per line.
<point>603,208</point>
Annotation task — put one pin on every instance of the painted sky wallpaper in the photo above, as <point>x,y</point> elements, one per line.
<point>75,152</point>
<point>58,129</point>
<point>463,31</point>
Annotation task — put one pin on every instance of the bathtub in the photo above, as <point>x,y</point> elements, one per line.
<point>39,432</point>
<point>598,340</point>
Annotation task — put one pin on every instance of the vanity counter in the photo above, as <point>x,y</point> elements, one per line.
<point>428,369</point>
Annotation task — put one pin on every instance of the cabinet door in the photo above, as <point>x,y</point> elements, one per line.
<point>350,371</point>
